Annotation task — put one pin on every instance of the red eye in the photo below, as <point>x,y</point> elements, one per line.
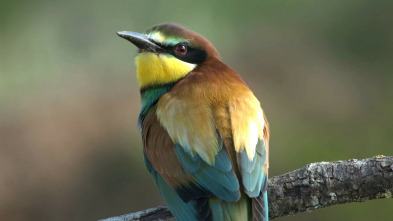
<point>181,49</point>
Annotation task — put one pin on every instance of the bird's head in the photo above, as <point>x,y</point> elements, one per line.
<point>167,53</point>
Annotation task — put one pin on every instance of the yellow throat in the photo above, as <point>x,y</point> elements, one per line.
<point>159,69</point>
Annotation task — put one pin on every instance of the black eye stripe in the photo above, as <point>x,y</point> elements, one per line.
<point>193,55</point>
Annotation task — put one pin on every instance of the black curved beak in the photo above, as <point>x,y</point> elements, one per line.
<point>140,40</point>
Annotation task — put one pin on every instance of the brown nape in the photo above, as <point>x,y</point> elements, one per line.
<point>213,77</point>
<point>197,40</point>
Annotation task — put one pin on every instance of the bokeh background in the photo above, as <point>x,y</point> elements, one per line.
<point>69,99</point>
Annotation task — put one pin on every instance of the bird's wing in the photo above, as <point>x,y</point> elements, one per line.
<point>187,174</point>
<point>251,137</point>
<point>204,113</point>
<point>251,142</point>
<point>198,148</point>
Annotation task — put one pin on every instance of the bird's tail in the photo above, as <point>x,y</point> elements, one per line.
<point>231,211</point>
<point>260,209</point>
<point>227,211</point>
<point>255,209</point>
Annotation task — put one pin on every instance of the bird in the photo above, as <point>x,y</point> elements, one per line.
<point>205,136</point>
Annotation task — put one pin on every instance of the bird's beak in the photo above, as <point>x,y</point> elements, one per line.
<point>140,40</point>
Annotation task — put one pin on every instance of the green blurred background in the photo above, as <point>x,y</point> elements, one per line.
<point>69,100</point>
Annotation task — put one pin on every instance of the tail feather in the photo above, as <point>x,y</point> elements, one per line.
<point>231,211</point>
<point>260,210</point>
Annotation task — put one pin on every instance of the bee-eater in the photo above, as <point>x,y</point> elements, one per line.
<point>205,137</point>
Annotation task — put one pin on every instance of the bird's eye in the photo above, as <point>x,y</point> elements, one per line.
<point>181,49</point>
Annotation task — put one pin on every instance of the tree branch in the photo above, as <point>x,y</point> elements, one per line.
<point>314,186</point>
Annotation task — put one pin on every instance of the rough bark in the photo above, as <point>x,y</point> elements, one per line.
<point>314,186</point>
<point>160,213</point>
